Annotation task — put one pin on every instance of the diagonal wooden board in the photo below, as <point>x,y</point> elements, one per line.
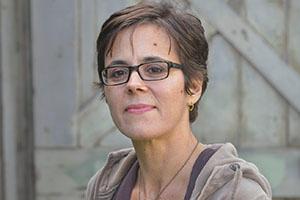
<point>250,44</point>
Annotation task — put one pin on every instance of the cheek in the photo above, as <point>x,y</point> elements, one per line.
<point>177,89</point>
<point>174,95</point>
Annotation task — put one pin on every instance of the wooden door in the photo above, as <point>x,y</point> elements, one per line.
<point>252,99</point>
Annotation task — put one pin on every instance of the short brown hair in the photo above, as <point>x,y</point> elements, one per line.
<point>183,27</point>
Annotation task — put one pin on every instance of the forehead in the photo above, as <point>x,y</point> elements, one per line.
<point>142,40</point>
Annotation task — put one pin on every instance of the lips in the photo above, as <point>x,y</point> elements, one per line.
<point>139,108</point>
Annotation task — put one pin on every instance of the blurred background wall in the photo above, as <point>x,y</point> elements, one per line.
<point>55,132</point>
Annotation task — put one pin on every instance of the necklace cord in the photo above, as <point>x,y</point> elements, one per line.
<point>173,177</point>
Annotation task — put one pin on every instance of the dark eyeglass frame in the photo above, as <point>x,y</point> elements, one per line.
<point>136,68</point>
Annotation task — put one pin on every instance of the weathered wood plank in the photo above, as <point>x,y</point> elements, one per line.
<point>73,195</point>
<point>280,166</point>
<point>55,63</point>
<point>294,59</point>
<point>1,157</point>
<point>294,128</point>
<point>106,8</point>
<point>218,110</point>
<point>294,34</point>
<point>237,6</point>
<point>25,136</point>
<point>210,30</point>
<point>94,123</point>
<point>62,172</point>
<point>2,195</point>
<point>17,100</point>
<point>1,127</point>
<point>87,41</point>
<point>263,111</point>
<point>268,19</point>
<point>115,139</point>
<point>9,70</point>
<point>253,48</point>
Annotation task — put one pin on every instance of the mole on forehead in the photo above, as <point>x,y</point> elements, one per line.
<point>154,44</point>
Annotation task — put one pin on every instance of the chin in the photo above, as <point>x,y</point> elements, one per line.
<point>141,134</point>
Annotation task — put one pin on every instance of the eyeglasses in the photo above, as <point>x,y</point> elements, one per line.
<point>149,71</point>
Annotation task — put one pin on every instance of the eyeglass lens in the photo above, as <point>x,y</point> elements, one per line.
<point>147,71</point>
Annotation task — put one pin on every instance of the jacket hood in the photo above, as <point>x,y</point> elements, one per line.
<point>228,176</point>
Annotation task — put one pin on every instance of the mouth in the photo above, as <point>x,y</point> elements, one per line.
<point>139,108</point>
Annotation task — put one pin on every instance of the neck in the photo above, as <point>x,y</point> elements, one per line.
<point>161,159</point>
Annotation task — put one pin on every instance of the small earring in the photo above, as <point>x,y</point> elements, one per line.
<point>191,107</point>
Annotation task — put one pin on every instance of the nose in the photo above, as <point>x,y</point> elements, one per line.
<point>135,83</point>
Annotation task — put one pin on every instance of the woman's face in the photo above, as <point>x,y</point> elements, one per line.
<point>145,110</point>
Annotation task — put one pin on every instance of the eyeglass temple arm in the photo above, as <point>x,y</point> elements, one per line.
<point>175,65</point>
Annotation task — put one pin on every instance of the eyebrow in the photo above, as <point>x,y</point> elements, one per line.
<point>118,62</point>
<point>144,60</point>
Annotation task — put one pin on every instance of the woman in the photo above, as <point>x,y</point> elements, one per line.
<point>152,67</point>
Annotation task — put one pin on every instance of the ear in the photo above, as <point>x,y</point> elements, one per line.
<point>196,91</point>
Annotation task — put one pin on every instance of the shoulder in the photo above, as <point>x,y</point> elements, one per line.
<point>107,179</point>
<point>243,185</point>
<point>226,176</point>
<point>250,189</point>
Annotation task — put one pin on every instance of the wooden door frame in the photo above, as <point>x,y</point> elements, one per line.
<point>25,143</point>
<point>20,176</point>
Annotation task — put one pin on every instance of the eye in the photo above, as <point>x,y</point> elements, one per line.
<point>155,68</point>
<point>116,73</point>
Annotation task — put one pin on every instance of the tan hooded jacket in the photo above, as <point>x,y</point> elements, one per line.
<point>225,176</point>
